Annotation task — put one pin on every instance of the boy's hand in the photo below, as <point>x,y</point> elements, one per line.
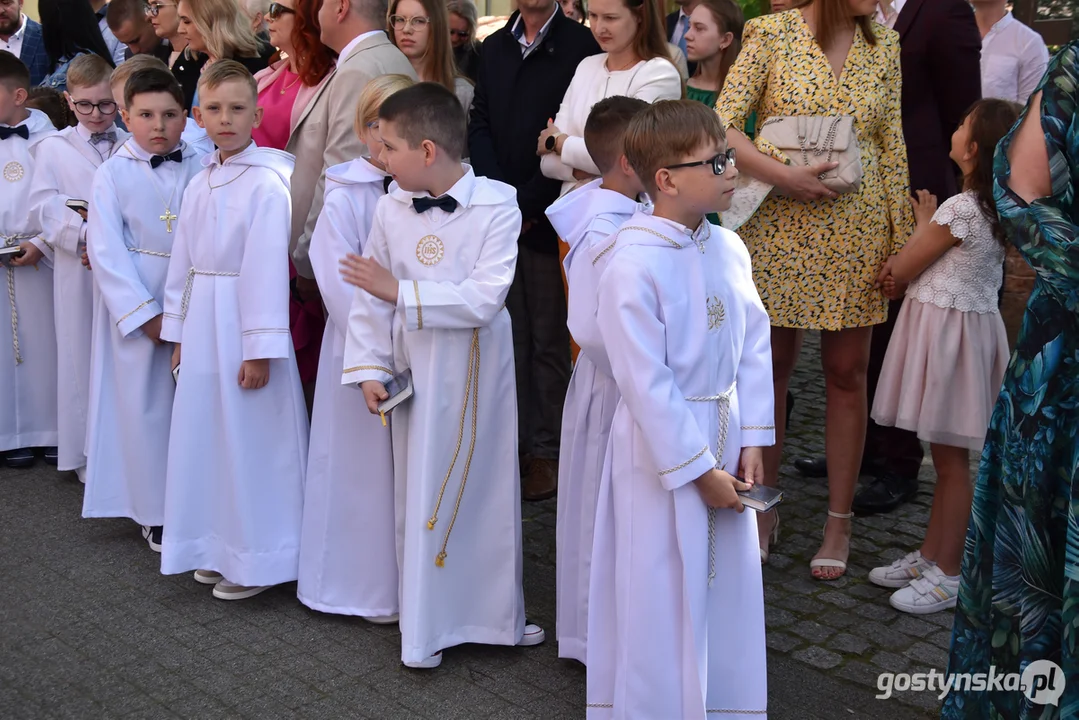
<point>925,206</point>
<point>175,356</point>
<point>152,329</point>
<point>82,214</point>
<point>751,465</point>
<point>374,392</point>
<point>719,489</point>
<point>254,374</point>
<point>367,274</point>
<point>86,261</point>
<point>31,255</point>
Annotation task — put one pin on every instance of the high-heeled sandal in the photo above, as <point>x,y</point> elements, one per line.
<point>830,562</point>
<point>773,538</point>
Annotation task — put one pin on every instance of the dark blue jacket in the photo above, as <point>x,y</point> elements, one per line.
<point>33,52</point>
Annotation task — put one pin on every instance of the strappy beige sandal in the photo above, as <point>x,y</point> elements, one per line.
<point>830,562</point>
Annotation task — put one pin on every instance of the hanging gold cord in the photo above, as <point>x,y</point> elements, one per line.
<point>472,391</point>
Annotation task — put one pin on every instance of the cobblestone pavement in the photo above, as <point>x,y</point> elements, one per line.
<point>89,629</point>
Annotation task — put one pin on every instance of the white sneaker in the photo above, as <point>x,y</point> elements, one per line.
<point>930,593</point>
<point>383,619</point>
<point>208,577</point>
<point>427,663</point>
<point>152,536</point>
<point>226,590</point>
<point>899,574</point>
<point>534,635</point>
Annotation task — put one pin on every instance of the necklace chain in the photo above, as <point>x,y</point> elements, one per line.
<point>227,182</point>
<point>168,216</point>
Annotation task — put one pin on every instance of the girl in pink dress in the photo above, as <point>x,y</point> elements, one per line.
<point>947,356</point>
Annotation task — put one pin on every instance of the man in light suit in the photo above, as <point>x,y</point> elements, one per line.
<point>324,135</point>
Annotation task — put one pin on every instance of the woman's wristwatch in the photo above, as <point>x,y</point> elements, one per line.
<point>552,141</point>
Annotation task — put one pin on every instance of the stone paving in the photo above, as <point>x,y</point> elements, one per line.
<point>89,629</point>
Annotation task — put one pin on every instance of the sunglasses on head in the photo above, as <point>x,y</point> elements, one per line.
<point>277,10</point>
<point>719,162</point>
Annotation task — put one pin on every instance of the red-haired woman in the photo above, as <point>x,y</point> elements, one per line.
<point>285,90</point>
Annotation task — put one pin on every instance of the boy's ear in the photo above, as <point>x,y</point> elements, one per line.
<point>258,117</point>
<point>430,152</point>
<point>196,112</point>
<point>664,182</point>
<point>125,117</point>
<point>70,102</point>
<point>20,96</point>
<point>625,167</point>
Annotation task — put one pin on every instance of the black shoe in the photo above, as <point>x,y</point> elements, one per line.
<point>817,467</point>
<point>790,408</point>
<point>22,458</point>
<point>885,493</point>
<point>52,456</point>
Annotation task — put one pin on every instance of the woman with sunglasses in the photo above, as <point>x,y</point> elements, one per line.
<point>286,88</point>
<point>421,30</point>
<point>166,23</point>
<point>466,48</point>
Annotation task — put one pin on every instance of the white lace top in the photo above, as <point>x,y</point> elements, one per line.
<point>967,277</point>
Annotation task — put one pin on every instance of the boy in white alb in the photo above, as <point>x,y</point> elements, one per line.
<point>28,338</point>
<point>192,134</point>
<point>585,219</point>
<point>676,607</point>
<point>238,446</point>
<point>64,168</point>
<point>432,288</point>
<point>348,499</point>
<point>134,207</point>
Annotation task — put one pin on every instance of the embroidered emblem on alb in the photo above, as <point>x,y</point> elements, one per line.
<point>716,313</point>
<point>430,250</point>
<point>13,172</point>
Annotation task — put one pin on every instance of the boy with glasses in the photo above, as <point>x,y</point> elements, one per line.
<point>64,168</point>
<point>676,599</point>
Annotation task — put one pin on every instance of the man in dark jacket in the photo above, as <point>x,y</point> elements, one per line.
<point>941,63</point>
<point>524,70</point>
<point>21,36</point>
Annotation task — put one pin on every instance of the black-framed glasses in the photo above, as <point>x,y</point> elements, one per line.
<point>719,162</point>
<point>399,22</point>
<point>277,10</point>
<point>85,107</point>
<point>152,9</point>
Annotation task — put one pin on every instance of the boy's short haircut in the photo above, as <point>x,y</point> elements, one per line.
<point>132,65</point>
<point>13,71</point>
<point>428,111</point>
<point>224,71</point>
<point>668,132</point>
<point>152,80</point>
<point>88,70</point>
<point>605,129</point>
<point>374,94</point>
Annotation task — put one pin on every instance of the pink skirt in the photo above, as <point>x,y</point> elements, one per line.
<point>942,374</point>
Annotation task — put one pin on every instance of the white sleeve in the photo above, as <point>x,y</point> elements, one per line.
<point>583,280</point>
<point>1032,66</point>
<point>560,167</point>
<point>658,79</point>
<point>475,301</point>
<point>61,226</point>
<point>369,339</point>
<point>264,300</point>
<point>341,229</point>
<point>129,302</point>
<point>630,319</point>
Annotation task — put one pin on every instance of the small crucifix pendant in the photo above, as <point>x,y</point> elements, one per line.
<point>167,218</point>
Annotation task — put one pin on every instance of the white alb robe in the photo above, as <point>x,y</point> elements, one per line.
<point>27,330</point>
<point>64,167</point>
<point>234,494</point>
<point>688,341</point>
<point>348,558</point>
<point>460,576</point>
<point>131,394</point>
<point>585,219</point>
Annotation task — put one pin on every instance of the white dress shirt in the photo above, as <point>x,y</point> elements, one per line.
<point>14,43</point>
<point>1014,58</point>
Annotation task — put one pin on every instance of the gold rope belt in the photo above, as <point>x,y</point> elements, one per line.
<point>11,241</point>
<point>723,408</point>
<point>191,282</point>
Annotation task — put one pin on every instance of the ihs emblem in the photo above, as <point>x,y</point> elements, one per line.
<point>13,172</point>
<point>430,250</point>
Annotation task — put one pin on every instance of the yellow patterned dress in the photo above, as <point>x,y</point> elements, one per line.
<point>815,263</point>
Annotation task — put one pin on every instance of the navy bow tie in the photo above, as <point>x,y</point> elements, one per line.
<point>22,131</point>
<point>423,204</point>
<point>386,183</point>
<point>157,160</point>
<point>107,136</point>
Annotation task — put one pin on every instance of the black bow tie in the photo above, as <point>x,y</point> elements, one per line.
<point>22,131</point>
<point>423,204</point>
<point>107,136</point>
<point>175,156</point>
<point>386,183</point>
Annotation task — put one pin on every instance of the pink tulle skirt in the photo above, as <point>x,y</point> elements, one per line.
<point>942,374</point>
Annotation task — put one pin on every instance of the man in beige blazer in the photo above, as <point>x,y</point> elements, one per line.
<point>325,134</point>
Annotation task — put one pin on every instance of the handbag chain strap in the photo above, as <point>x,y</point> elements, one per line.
<point>827,146</point>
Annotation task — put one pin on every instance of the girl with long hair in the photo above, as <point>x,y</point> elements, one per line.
<point>69,28</point>
<point>713,40</point>
<point>421,30</point>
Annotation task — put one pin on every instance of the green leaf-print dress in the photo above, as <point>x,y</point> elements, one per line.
<point>1019,598</point>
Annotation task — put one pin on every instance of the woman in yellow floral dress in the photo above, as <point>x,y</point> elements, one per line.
<point>817,256</point>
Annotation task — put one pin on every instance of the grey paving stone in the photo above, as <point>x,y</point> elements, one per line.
<point>847,643</point>
<point>817,657</point>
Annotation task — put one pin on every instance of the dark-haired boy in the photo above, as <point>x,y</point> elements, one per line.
<point>135,207</point>
<point>432,301</point>
<point>585,219</point>
<point>676,609</point>
<point>28,340</point>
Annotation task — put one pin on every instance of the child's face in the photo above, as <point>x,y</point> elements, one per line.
<point>412,40</point>
<point>156,121</point>
<point>229,113</point>
<point>407,165</point>
<point>12,103</point>
<point>372,138</point>
<point>962,148</point>
<point>697,188</point>
<point>94,107</point>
